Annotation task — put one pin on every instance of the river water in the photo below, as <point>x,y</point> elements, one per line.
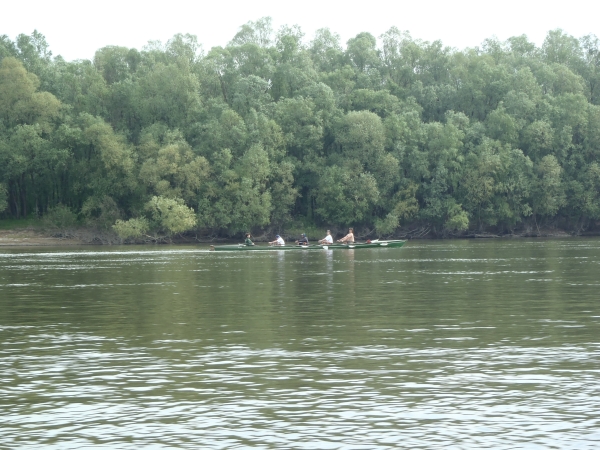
<point>443,344</point>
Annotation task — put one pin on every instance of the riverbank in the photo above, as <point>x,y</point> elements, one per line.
<point>34,236</point>
<point>31,237</point>
<point>38,236</point>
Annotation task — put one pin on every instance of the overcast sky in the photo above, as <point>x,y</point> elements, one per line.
<point>76,29</point>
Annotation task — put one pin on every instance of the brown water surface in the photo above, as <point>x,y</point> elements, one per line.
<point>443,344</point>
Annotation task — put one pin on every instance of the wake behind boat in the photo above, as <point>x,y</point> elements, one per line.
<point>343,246</point>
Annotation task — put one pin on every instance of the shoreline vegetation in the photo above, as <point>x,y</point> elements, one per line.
<point>36,235</point>
<point>273,134</point>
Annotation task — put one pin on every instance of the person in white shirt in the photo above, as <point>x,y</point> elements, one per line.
<point>327,239</point>
<point>278,241</point>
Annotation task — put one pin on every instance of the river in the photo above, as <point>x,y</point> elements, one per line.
<point>462,344</point>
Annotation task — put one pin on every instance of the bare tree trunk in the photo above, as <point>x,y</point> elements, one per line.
<point>536,224</point>
<point>35,195</point>
<point>223,88</point>
<point>14,196</point>
<point>23,197</point>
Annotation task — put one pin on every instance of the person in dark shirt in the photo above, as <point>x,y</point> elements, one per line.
<point>248,241</point>
<point>303,240</point>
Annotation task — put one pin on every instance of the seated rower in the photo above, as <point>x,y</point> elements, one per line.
<point>278,241</point>
<point>349,238</point>
<point>248,241</point>
<point>303,240</point>
<point>327,239</point>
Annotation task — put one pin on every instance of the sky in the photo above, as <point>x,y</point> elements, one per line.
<point>76,29</point>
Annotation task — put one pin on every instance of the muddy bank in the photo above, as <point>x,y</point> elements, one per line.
<point>81,236</point>
<point>32,237</point>
<point>37,237</point>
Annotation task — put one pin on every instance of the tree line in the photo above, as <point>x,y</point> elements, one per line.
<point>272,132</point>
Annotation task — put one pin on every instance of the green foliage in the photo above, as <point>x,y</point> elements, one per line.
<point>548,191</point>
<point>272,131</point>
<point>20,103</point>
<point>170,215</point>
<point>387,225</point>
<point>404,203</point>
<point>3,198</point>
<point>361,137</point>
<point>172,170</point>
<point>131,229</point>
<point>345,195</point>
<point>458,219</point>
<point>60,217</point>
<point>100,213</point>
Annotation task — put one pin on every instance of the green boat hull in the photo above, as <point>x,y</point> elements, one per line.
<point>262,248</point>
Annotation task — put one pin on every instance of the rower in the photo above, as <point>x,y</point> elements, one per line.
<point>303,240</point>
<point>327,239</point>
<point>349,238</point>
<point>248,241</point>
<point>278,241</point>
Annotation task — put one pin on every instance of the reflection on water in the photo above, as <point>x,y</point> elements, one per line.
<point>460,344</point>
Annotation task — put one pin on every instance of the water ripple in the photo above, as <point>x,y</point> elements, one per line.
<point>92,391</point>
<point>460,345</point>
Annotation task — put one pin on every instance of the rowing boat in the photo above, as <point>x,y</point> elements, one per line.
<point>344,246</point>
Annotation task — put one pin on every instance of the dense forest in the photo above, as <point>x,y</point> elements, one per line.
<point>275,133</point>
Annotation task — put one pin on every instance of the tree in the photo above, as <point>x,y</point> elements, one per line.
<point>250,93</point>
<point>169,215</point>
<point>20,103</point>
<point>537,139</point>
<point>7,48</point>
<point>102,163</point>
<point>325,50</point>
<point>27,156</point>
<point>131,229</point>
<point>302,128</point>
<point>173,171</point>
<point>361,137</point>
<point>502,126</point>
<point>116,64</point>
<point>401,58</point>
<point>268,130</point>
<point>184,50</point>
<point>29,162</point>
<point>294,70</point>
<point>82,87</point>
<point>345,195</point>
<point>259,33</point>
<point>3,198</point>
<point>237,197</point>
<point>362,51</point>
<point>561,48</point>
<point>590,68</point>
<point>34,53</point>
<point>495,188</point>
<point>548,193</point>
<point>167,94</point>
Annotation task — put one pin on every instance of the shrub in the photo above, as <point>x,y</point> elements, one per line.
<point>132,228</point>
<point>171,215</point>
<point>60,217</point>
<point>100,213</point>
<point>387,225</point>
